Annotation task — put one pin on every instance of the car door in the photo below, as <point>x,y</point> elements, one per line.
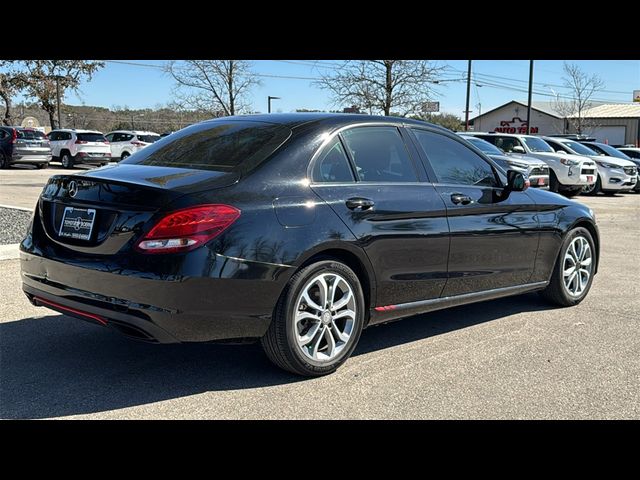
<point>116,145</point>
<point>371,178</point>
<point>494,240</point>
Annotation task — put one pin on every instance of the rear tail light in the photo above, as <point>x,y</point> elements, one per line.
<point>14,135</point>
<point>108,154</point>
<point>189,228</point>
<point>80,142</point>
<point>138,144</point>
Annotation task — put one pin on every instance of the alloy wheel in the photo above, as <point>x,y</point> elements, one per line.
<point>577,266</point>
<point>324,317</point>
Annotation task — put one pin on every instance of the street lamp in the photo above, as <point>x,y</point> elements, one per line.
<point>269,98</point>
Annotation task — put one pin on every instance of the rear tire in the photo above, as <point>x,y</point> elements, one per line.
<point>124,156</point>
<point>571,192</point>
<point>304,337</point>
<point>567,290</point>
<point>67,160</point>
<point>40,166</point>
<point>4,163</point>
<point>592,190</point>
<point>554,184</point>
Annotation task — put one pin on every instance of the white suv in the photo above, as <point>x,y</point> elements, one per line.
<point>72,146</point>
<point>568,174</point>
<point>127,142</point>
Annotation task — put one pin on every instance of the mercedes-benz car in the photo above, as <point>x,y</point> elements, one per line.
<point>614,174</point>
<point>534,169</point>
<point>298,231</point>
<point>568,174</point>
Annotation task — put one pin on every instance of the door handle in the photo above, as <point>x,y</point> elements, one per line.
<point>359,203</point>
<point>458,198</point>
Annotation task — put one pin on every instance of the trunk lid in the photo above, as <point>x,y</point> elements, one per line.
<point>120,199</point>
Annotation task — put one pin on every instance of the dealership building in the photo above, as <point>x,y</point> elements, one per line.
<point>615,124</point>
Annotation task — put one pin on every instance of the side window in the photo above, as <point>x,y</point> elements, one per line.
<point>66,135</point>
<point>109,137</point>
<point>3,134</point>
<point>379,154</point>
<point>126,137</point>
<point>454,162</point>
<point>558,146</point>
<point>52,136</point>
<point>117,137</point>
<point>507,143</point>
<point>332,165</point>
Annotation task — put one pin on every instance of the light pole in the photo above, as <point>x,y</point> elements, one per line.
<point>529,99</point>
<point>58,99</point>
<point>269,98</point>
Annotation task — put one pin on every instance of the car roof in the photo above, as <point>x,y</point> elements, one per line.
<point>75,130</point>
<point>297,119</point>
<point>502,134</point>
<point>134,132</point>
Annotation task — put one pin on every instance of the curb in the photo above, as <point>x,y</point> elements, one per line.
<point>24,209</point>
<point>9,252</point>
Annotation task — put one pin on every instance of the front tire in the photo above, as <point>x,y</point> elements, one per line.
<point>571,192</point>
<point>124,156</point>
<point>554,184</point>
<point>317,321</point>
<point>67,160</point>
<point>592,189</point>
<point>573,273</point>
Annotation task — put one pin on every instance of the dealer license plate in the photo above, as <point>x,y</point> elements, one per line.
<point>77,223</point>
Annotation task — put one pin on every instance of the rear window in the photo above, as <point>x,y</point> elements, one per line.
<point>219,145</point>
<point>149,138</point>
<point>30,134</point>
<point>91,137</point>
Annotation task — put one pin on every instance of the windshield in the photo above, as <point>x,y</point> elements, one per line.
<point>612,152</point>
<point>537,144</point>
<point>91,137</point>
<point>579,148</point>
<point>223,145</point>
<point>149,138</point>
<point>30,134</point>
<point>484,146</point>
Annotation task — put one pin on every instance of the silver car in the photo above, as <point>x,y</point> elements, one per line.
<point>615,173</point>
<point>534,169</point>
<point>24,145</point>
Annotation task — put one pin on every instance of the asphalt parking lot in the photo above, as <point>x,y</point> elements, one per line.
<point>512,358</point>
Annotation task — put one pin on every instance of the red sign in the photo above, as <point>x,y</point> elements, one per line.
<point>509,127</point>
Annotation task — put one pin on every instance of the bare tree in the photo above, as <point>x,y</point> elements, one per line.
<point>382,85</point>
<point>582,87</point>
<point>217,86</point>
<point>12,80</point>
<point>42,77</point>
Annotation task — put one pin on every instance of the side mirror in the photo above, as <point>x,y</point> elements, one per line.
<point>559,151</point>
<point>518,149</point>
<point>516,181</point>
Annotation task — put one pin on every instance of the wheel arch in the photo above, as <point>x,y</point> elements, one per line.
<point>356,261</point>
<point>590,226</point>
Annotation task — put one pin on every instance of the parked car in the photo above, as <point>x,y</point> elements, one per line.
<point>608,150</point>
<point>631,152</point>
<point>568,174</point>
<point>534,169</point>
<point>127,142</point>
<point>614,174</point>
<point>72,146</point>
<point>299,230</point>
<point>20,145</point>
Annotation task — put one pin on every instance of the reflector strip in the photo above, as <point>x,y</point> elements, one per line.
<point>386,308</point>
<point>55,305</point>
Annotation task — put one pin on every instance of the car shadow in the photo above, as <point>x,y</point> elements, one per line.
<point>57,366</point>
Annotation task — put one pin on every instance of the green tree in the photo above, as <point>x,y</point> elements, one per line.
<point>446,120</point>
<point>43,77</point>
<point>11,82</point>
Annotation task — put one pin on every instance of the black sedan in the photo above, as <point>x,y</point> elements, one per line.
<point>298,230</point>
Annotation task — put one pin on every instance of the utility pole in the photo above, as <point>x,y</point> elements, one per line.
<point>466,110</point>
<point>529,100</point>
<point>269,98</point>
<point>58,99</point>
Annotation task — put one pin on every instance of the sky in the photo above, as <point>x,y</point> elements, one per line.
<point>143,84</point>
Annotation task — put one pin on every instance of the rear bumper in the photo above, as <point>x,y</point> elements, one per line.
<point>30,158</point>
<point>91,160</point>
<point>156,307</point>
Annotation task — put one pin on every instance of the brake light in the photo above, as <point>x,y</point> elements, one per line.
<point>14,135</point>
<point>81,141</point>
<point>138,144</point>
<point>189,228</point>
